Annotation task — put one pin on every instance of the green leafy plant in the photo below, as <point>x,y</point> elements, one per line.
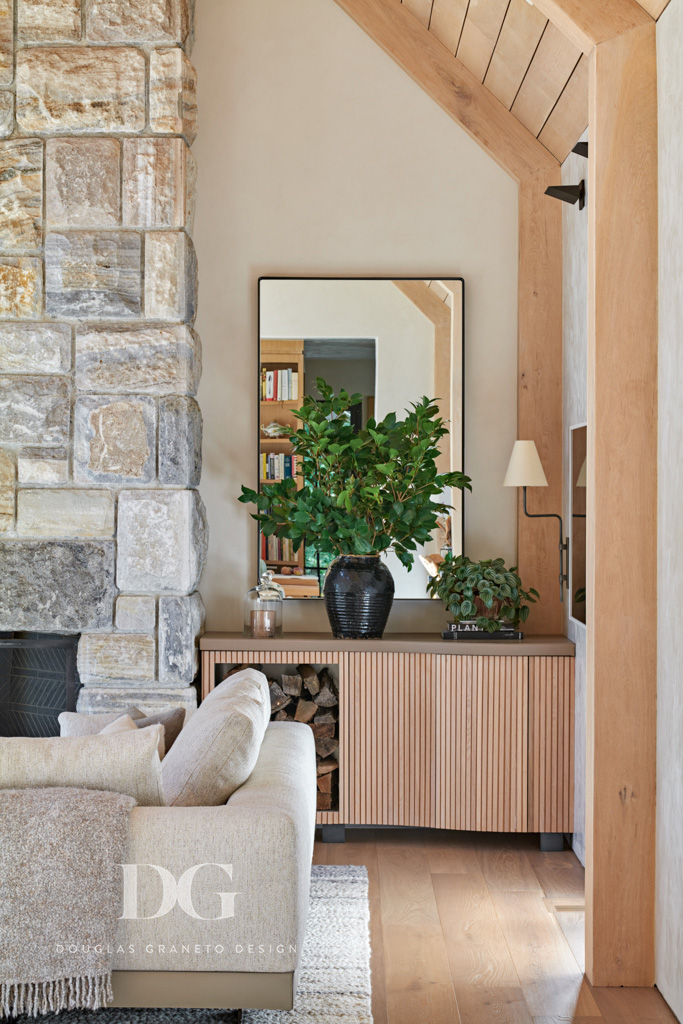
<point>484,592</point>
<point>364,491</point>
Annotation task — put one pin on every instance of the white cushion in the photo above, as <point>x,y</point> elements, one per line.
<point>126,762</point>
<point>75,723</point>
<point>218,747</point>
<point>122,724</point>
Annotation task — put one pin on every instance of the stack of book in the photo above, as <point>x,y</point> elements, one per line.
<point>469,630</point>
<point>279,385</point>
<point>275,549</point>
<point>277,466</point>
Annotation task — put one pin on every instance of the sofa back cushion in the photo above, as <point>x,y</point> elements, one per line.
<point>217,749</point>
<point>124,762</point>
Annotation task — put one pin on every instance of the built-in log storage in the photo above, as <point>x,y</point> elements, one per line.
<point>446,734</point>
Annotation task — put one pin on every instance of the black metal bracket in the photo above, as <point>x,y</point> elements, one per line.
<point>569,193</point>
<point>563,546</point>
<point>581,149</point>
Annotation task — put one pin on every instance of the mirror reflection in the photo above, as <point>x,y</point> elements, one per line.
<point>390,341</point>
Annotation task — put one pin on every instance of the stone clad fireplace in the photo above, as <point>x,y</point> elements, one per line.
<point>102,530</point>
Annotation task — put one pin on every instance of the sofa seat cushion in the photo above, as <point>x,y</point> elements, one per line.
<point>217,749</point>
<point>124,762</point>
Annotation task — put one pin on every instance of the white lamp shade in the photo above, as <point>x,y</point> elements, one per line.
<point>581,478</point>
<point>524,467</point>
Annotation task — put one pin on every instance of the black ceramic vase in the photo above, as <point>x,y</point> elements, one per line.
<point>359,591</point>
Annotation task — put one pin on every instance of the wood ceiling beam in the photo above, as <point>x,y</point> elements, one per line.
<point>449,83</point>
<point>590,22</point>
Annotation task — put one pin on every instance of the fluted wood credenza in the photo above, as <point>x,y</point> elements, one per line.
<point>475,735</point>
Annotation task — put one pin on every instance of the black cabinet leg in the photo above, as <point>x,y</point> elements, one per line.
<point>552,842</point>
<point>334,833</point>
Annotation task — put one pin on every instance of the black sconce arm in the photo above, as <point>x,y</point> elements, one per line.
<point>564,544</point>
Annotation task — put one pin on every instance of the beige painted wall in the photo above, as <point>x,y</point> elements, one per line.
<point>574,406</point>
<point>318,155</point>
<point>669,907</point>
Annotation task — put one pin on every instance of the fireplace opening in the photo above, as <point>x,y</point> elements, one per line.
<point>38,680</point>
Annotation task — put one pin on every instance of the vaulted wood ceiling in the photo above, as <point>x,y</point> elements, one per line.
<point>522,58</point>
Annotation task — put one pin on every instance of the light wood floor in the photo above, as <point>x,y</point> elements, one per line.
<point>480,929</point>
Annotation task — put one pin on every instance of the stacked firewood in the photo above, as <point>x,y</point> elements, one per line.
<point>312,697</point>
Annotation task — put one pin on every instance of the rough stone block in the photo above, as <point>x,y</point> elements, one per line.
<point>81,89</point>
<point>116,656</point>
<point>6,41</point>
<point>48,512</point>
<point>29,598</point>
<point>115,440</point>
<point>34,410</point>
<point>136,613</point>
<point>151,360</point>
<point>158,183</point>
<point>35,348</point>
<point>48,21</point>
<point>82,182</point>
<point>170,276</point>
<point>172,94</point>
<point>161,541</point>
<point>6,114</point>
<point>180,442</point>
<point>97,699</point>
<point>93,274</point>
<point>154,21</point>
<point>21,194</point>
<point>7,485</point>
<point>181,622</point>
<point>21,288</point>
<point>43,466</point>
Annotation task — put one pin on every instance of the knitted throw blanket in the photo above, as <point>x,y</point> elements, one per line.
<point>60,897</point>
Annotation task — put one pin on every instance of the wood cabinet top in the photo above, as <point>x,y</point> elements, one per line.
<point>405,643</point>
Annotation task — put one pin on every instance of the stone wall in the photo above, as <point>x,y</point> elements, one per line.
<point>102,531</point>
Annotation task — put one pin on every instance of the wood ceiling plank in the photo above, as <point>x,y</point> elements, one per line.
<point>451,85</point>
<point>549,72</point>
<point>480,34</point>
<point>655,8</point>
<point>422,9</point>
<point>589,22</point>
<point>448,18</point>
<point>568,119</point>
<point>519,37</point>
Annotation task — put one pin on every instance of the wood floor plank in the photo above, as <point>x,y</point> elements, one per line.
<point>507,868</point>
<point>487,987</point>
<point>573,925</point>
<point>379,994</point>
<point>552,983</point>
<point>418,979</point>
<point>632,1006</point>
<point>452,853</point>
<point>320,853</point>
<point>560,873</point>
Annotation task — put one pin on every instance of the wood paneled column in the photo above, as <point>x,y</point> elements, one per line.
<point>539,391</point>
<point>622,510</point>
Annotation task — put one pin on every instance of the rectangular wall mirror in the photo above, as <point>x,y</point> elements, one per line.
<point>578,527</point>
<point>391,340</point>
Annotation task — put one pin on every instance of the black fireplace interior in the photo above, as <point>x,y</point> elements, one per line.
<point>38,680</point>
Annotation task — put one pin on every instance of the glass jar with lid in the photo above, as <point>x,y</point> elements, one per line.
<point>263,609</point>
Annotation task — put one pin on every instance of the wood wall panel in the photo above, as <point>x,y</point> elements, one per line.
<point>549,72</point>
<point>551,745</point>
<point>480,35</point>
<point>519,37</point>
<point>569,117</point>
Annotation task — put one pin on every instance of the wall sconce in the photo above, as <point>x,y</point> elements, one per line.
<point>569,193</point>
<point>525,470</point>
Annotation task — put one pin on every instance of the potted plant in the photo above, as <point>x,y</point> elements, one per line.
<point>483,593</point>
<point>360,493</point>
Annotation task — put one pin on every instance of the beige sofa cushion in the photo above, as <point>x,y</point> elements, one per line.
<point>217,749</point>
<point>126,762</point>
<point>122,724</point>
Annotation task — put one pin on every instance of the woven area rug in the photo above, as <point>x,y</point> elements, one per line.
<point>334,981</point>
